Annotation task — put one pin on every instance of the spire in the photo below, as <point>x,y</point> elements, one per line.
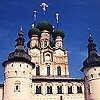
<point>20,40</point>
<point>57,20</point>
<point>34,18</point>
<point>91,46</point>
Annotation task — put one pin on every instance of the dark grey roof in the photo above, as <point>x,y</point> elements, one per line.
<point>19,54</point>
<point>93,59</point>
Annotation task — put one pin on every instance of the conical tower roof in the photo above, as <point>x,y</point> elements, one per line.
<point>19,54</point>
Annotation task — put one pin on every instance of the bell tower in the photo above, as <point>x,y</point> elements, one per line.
<point>91,70</point>
<point>18,76</point>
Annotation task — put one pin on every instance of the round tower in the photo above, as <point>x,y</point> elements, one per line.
<point>46,30</point>
<point>18,77</point>
<point>58,37</point>
<point>91,70</point>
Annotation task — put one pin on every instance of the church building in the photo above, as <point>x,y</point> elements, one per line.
<point>42,71</point>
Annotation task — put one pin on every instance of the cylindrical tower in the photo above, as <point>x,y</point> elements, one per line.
<point>18,77</point>
<point>34,35</point>
<point>34,45</point>
<point>91,69</point>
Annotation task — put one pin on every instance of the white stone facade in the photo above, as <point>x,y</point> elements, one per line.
<point>92,83</point>
<point>54,95</point>
<point>18,81</point>
<point>49,80</point>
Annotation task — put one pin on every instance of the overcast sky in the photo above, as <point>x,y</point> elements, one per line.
<point>75,18</point>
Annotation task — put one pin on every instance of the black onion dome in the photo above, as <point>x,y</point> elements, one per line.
<point>93,59</point>
<point>44,26</point>
<point>33,31</point>
<point>19,55</point>
<point>58,32</point>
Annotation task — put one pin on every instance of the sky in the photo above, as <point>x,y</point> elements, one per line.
<point>76,16</point>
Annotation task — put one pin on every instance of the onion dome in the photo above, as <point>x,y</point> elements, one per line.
<point>19,54</point>
<point>58,32</point>
<point>33,31</point>
<point>93,59</point>
<point>44,26</point>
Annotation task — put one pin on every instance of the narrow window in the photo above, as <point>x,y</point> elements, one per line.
<point>49,89</point>
<point>95,69</point>
<point>92,75</point>
<point>31,86</point>
<point>17,86</point>
<point>45,43</point>
<point>70,90</point>
<point>38,89</point>
<point>59,70</point>
<point>12,65</point>
<point>59,89</point>
<point>89,89</point>
<point>79,89</point>
<point>61,98</point>
<point>48,70</point>
<point>16,72</point>
<point>37,70</point>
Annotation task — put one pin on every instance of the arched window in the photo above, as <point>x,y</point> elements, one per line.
<point>70,90</point>
<point>37,70</point>
<point>49,89</point>
<point>17,86</point>
<point>59,89</point>
<point>48,70</point>
<point>59,70</point>
<point>79,89</point>
<point>45,43</point>
<point>91,75</point>
<point>38,89</point>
